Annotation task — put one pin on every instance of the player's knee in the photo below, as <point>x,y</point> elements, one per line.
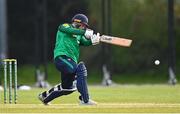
<point>68,91</point>
<point>66,85</point>
<point>81,70</point>
<point>62,91</point>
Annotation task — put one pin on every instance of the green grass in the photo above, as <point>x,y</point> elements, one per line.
<point>113,99</point>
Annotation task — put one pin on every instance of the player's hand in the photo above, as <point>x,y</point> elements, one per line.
<point>95,39</point>
<point>88,33</point>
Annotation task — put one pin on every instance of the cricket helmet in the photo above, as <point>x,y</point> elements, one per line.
<point>80,18</point>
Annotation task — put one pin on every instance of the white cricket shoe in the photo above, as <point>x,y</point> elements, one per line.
<point>41,98</point>
<point>90,102</point>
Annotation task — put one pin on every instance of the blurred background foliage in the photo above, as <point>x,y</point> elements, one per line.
<point>143,21</point>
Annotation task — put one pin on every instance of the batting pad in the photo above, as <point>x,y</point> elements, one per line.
<point>82,81</point>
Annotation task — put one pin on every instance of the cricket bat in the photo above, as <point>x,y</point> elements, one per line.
<point>116,40</point>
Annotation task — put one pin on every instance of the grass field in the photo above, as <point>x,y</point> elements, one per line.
<point>113,99</point>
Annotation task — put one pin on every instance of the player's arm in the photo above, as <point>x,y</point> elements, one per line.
<point>71,30</point>
<point>67,28</point>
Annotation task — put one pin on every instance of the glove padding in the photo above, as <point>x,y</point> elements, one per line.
<point>88,33</point>
<point>95,39</point>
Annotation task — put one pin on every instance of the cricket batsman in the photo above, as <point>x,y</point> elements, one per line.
<point>69,38</point>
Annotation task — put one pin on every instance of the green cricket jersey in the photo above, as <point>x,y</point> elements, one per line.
<point>68,40</point>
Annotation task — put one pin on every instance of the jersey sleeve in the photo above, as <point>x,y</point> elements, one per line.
<point>66,28</point>
<point>85,42</point>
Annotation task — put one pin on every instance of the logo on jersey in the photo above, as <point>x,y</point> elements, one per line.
<point>66,25</point>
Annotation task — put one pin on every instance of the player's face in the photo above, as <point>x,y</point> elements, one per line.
<point>81,26</point>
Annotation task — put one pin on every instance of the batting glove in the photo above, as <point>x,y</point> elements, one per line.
<point>95,39</point>
<point>88,33</point>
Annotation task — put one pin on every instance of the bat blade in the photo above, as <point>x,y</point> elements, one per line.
<point>116,41</point>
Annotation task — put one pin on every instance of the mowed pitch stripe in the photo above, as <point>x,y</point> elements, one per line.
<point>99,105</point>
<point>91,113</point>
